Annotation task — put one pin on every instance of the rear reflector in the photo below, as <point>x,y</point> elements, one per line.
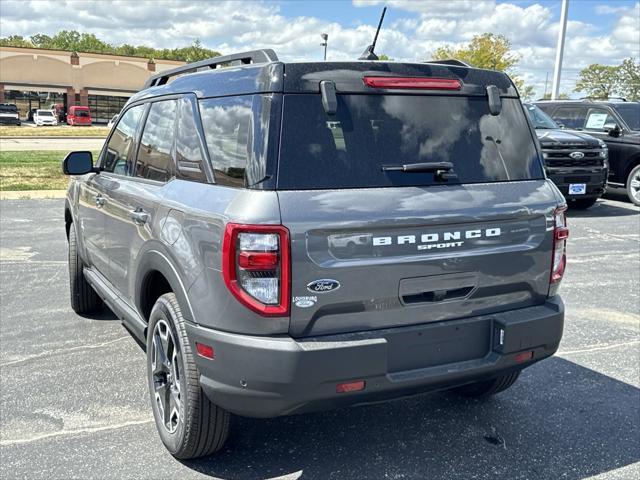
<point>350,386</point>
<point>257,260</point>
<point>413,83</point>
<point>204,350</point>
<point>523,357</point>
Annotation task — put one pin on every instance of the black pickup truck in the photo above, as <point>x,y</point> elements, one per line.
<point>576,162</point>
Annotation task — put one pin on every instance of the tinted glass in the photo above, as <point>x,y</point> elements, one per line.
<point>630,113</point>
<point>570,117</point>
<point>227,127</point>
<point>155,160</point>
<point>116,158</point>
<point>188,154</point>
<point>539,118</point>
<point>8,108</point>
<point>349,149</point>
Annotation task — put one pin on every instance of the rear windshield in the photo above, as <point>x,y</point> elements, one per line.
<point>348,149</point>
<point>8,108</point>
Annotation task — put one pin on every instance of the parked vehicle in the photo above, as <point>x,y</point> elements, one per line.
<point>9,114</point>
<point>615,122</point>
<point>576,162</point>
<point>215,219</point>
<point>79,115</point>
<point>58,111</point>
<point>44,117</point>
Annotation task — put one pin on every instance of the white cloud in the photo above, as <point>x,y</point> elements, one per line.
<point>419,28</point>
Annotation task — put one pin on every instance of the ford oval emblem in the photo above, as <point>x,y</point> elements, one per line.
<point>324,285</point>
<point>576,155</point>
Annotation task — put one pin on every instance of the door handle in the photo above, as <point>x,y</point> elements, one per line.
<point>100,201</point>
<point>139,216</point>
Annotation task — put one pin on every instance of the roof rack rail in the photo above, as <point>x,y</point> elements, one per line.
<point>450,61</point>
<point>254,56</point>
<point>605,99</point>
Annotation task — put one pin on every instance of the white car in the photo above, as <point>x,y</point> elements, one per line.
<point>44,117</point>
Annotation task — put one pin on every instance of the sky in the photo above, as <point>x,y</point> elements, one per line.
<point>599,31</point>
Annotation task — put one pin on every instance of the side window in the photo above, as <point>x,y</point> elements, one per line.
<point>570,117</point>
<point>597,118</point>
<point>155,160</point>
<point>116,158</point>
<point>188,154</point>
<point>227,124</point>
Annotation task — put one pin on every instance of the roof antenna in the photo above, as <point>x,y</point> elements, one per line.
<point>368,52</point>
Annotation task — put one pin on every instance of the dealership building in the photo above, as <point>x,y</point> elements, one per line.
<point>34,78</point>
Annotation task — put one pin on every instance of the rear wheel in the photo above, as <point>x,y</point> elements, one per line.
<point>582,203</point>
<point>488,388</point>
<point>633,185</point>
<point>189,424</point>
<point>84,298</point>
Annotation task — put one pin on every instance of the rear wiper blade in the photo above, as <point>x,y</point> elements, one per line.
<point>419,167</point>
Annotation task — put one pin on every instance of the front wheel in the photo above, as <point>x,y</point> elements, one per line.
<point>488,388</point>
<point>84,298</point>
<point>189,424</point>
<point>633,185</point>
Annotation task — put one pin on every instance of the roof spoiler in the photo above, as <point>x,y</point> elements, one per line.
<point>450,61</point>
<point>244,58</point>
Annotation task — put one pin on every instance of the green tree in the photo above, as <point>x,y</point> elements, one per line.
<point>488,50</point>
<point>561,96</point>
<point>73,41</point>
<point>629,84</point>
<point>598,81</point>
<point>15,41</point>
<point>527,92</point>
<point>384,57</point>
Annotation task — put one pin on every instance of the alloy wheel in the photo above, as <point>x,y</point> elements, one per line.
<point>167,374</point>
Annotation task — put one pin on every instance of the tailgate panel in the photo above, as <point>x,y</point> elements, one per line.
<point>413,255</point>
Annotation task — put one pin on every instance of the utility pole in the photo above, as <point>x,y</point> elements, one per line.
<point>555,88</point>
<point>325,37</point>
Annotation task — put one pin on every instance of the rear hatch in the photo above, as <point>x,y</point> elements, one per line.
<point>374,247</point>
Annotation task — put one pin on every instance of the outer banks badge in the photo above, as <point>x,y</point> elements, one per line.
<point>305,302</point>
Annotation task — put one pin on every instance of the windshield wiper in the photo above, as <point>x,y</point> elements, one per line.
<point>443,170</point>
<point>419,167</point>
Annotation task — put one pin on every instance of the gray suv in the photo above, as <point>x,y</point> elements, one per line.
<point>290,237</point>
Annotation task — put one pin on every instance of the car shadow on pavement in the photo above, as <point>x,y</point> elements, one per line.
<point>560,420</point>
<point>602,209</point>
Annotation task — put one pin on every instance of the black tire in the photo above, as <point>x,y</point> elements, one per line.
<point>203,427</point>
<point>582,203</point>
<point>632,189</point>
<point>488,388</point>
<point>84,298</point>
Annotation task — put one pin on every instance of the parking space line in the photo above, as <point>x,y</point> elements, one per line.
<point>62,351</point>
<point>599,348</point>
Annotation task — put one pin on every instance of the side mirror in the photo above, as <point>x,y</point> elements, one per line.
<point>560,124</point>
<point>613,129</point>
<point>78,163</point>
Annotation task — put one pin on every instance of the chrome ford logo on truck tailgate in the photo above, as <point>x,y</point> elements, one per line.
<point>324,285</point>
<point>576,155</point>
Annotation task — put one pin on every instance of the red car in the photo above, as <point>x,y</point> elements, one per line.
<point>79,115</point>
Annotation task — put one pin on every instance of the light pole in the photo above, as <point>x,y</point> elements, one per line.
<point>325,37</point>
<point>557,70</point>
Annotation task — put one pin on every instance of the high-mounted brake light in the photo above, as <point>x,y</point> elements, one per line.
<point>413,83</point>
<point>560,235</point>
<point>256,267</point>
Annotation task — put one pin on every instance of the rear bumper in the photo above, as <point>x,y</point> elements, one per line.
<point>595,180</point>
<point>272,376</point>
<point>9,121</point>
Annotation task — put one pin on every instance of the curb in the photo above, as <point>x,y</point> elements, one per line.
<point>32,194</point>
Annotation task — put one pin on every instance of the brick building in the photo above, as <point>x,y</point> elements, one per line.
<point>37,78</point>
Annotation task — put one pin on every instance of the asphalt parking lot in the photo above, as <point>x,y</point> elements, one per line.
<point>74,402</point>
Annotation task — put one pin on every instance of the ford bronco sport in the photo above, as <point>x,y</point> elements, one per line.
<point>289,237</point>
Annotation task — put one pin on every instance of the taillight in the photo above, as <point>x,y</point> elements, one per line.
<point>424,83</point>
<point>560,235</point>
<point>256,266</point>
